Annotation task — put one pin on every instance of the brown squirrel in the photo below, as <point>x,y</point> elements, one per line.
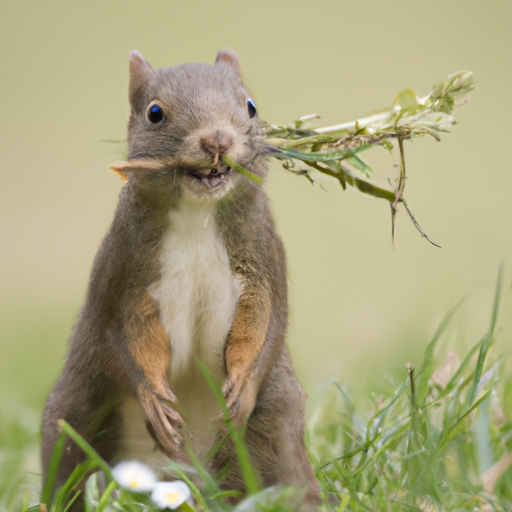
<point>191,269</point>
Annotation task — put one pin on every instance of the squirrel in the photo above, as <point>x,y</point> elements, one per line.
<point>191,269</point>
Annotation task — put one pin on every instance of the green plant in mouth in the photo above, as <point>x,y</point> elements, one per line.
<point>336,150</point>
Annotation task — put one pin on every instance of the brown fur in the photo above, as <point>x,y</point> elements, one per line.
<point>119,347</point>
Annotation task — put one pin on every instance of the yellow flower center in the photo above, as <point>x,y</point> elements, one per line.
<point>134,482</point>
<point>172,497</point>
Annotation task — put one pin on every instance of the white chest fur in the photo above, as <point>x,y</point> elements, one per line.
<point>197,296</point>
<point>197,292</point>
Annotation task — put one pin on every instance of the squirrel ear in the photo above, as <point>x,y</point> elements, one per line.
<point>230,58</point>
<point>140,72</point>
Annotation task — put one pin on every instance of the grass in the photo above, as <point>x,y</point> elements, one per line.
<point>335,151</point>
<point>440,439</point>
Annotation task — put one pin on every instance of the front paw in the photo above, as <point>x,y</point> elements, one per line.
<point>240,396</point>
<point>162,422</point>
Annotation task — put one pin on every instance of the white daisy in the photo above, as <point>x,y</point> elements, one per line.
<point>134,476</point>
<point>171,494</point>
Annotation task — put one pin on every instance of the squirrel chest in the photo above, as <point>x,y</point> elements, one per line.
<point>196,296</point>
<point>197,292</point>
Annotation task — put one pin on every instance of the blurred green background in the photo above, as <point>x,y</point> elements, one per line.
<point>359,308</point>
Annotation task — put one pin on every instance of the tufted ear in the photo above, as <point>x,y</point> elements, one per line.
<point>230,58</point>
<point>140,73</point>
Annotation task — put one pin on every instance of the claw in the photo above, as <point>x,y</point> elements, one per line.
<point>240,399</point>
<point>162,422</point>
<point>174,418</point>
<point>169,396</point>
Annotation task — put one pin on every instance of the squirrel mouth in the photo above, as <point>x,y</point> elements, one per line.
<point>212,177</point>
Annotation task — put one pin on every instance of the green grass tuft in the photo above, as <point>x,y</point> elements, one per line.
<point>438,440</point>
<point>441,439</point>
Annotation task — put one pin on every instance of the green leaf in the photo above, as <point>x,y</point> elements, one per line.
<point>406,99</point>
<point>439,121</point>
<point>320,156</point>
<point>360,165</point>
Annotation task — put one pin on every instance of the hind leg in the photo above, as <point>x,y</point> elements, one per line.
<point>94,420</point>
<point>275,437</point>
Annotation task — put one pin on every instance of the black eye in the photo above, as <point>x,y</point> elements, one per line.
<point>155,114</point>
<point>251,107</point>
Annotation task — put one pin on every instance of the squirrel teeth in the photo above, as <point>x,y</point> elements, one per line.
<point>213,181</point>
<point>214,176</point>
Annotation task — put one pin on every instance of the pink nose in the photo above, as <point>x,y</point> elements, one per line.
<point>216,143</point>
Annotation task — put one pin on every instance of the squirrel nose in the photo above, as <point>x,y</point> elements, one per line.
<point>217,143</point>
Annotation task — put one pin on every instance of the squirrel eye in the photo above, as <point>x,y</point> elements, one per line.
<point>155,114</point>
<point>251,107</point>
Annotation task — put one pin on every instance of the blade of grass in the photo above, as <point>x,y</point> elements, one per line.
<point>414,411</point>
<point>48,489</point>
<point>320,156</point>
<point>427,366</point>
<point>488,338</point>
<point>63,499</point>
<point>379,415</point>
<point>86,447</point>
<point>104,501</point>
<point>209,483</point>
<point>454,381</point>
<point>387,405</point>
<point>344,502</point>
<point>360,424</point>
<point>195,491</point>
<point>343,175</point>
<point>91,493</point>
<point>249,475</point>
<point>242,170</point>
<point>24,501</point>
<point>72,501</point>
<point>455,428</point>
<point>227,494</point>
<point>360,165</point>
<point>385,446</point>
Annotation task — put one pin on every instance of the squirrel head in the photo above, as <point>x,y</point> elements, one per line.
<point>193,115</point>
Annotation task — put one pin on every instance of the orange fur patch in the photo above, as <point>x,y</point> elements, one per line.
<point>150,349</point>
<point>248,331</point>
